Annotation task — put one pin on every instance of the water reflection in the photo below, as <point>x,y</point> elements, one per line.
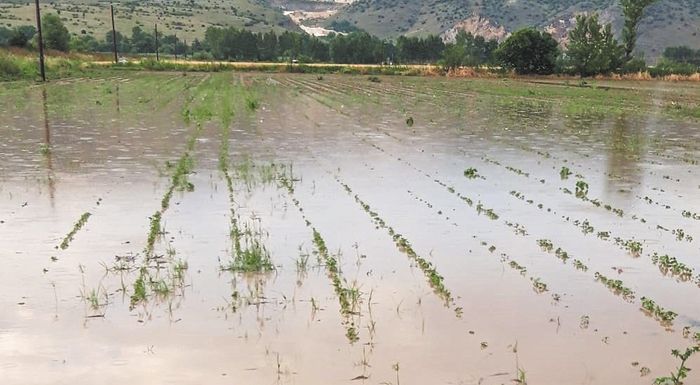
<point>625,151</point>
<point>117,99</point>
<point>47,150</point>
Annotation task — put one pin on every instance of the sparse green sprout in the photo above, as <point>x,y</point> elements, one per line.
<point>616,286</point>
<point>564,172</point>
<point>139,294</point>
<point>251,103</point>
<point>515,265</point>
<point>76,227</point>
<point>670,265</point>
<point>518,171</point>
<point>538,285</point>
<point>45,149</point>
<point>471,173</point>
<point>633,247</point>
<point>580,265</point>
<point>581,189</point>
<point>546,244</point>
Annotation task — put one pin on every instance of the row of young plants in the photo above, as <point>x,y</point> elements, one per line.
<point>435,279</point>
<point>650,307</point>
<point>578,264</point>
<point>161,275</point>
<point>667,265</point>
<point>349,296</point>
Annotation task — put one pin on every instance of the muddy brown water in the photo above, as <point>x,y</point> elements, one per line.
<point>109,141</point>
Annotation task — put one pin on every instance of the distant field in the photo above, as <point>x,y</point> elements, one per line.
<point>188,20</point>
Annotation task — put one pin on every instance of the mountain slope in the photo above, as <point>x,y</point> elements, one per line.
<point>668,22</point>
<point>186,18</point>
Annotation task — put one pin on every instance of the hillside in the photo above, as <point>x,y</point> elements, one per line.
<point>669,22</point>
<point>187,18</point>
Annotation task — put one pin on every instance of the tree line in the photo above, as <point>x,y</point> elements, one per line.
<point>592,48</point>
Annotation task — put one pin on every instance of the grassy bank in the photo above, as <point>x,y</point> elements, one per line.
<point>23,65</point>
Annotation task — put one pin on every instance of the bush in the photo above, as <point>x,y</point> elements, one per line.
<point>634,66</point>
<point>16,67</point>
<point>202,56</point>
<point>9,69</point>
<point>666,67</point>
<point>529,51</point>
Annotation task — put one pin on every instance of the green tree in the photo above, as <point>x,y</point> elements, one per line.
<point>682,54</point>
<point>55,34</point>
<point>529,51</point>
<point>453,56</point>
<point>633,10</point>
<point>84,43</point>
<point>22,35</point>
<point>592,47</point>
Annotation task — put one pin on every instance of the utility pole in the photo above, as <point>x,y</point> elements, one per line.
<point>157,57</point>
<point>185,53</point>
<point>175,50</point>
<point>41,42</point>
<point>114,35</point>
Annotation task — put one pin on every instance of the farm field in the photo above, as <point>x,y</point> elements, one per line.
<point>170,228</point>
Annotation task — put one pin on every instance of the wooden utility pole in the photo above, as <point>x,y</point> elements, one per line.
<point>157,57</point>
<point>41,42</point>
<point>114,35</point>
<point>175,50</point>
<point>185,53</point>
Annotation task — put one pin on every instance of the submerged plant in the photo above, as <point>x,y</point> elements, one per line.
<point>616,286</point>
<point>250,255</point>
<point>682,370</point>
<point>76,227</point>
<point>663,315</point>
<point>564,172</point>
<point>471,173</point>
<point>669,265</point>
<point>581,189</point>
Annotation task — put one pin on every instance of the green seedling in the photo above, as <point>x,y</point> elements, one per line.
<point>564,173</point>
<point>682,370</point>
<point>651,308</point>
<point>581,189</point>
<point>76,227</point>
<point>616,286</point>
<point>670,265</point>
<point>471,173</point>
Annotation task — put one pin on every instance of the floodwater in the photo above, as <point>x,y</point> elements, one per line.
<point>361,163</point>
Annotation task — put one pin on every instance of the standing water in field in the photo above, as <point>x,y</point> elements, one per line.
<point>257,229</point>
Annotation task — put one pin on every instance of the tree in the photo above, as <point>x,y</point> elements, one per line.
<point>55,34</point>
<point>22,35</point>
<point>592,48</point>
<point>633,10</point>
<point>141,41</point>
<point>453,56</point>
<point>682,54</point>
<point>84,43</point>
<point>529,51</point>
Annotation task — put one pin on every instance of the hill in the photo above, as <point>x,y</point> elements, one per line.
<point>187,18</point>
<point>668,22</point>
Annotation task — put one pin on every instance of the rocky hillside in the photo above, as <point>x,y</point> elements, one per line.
<point>668,22</point>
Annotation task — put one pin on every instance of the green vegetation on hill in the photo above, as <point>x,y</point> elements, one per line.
<point>667,23</point>
<point>188,19</point>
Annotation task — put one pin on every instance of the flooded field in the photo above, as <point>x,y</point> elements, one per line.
<point>296,229</point>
